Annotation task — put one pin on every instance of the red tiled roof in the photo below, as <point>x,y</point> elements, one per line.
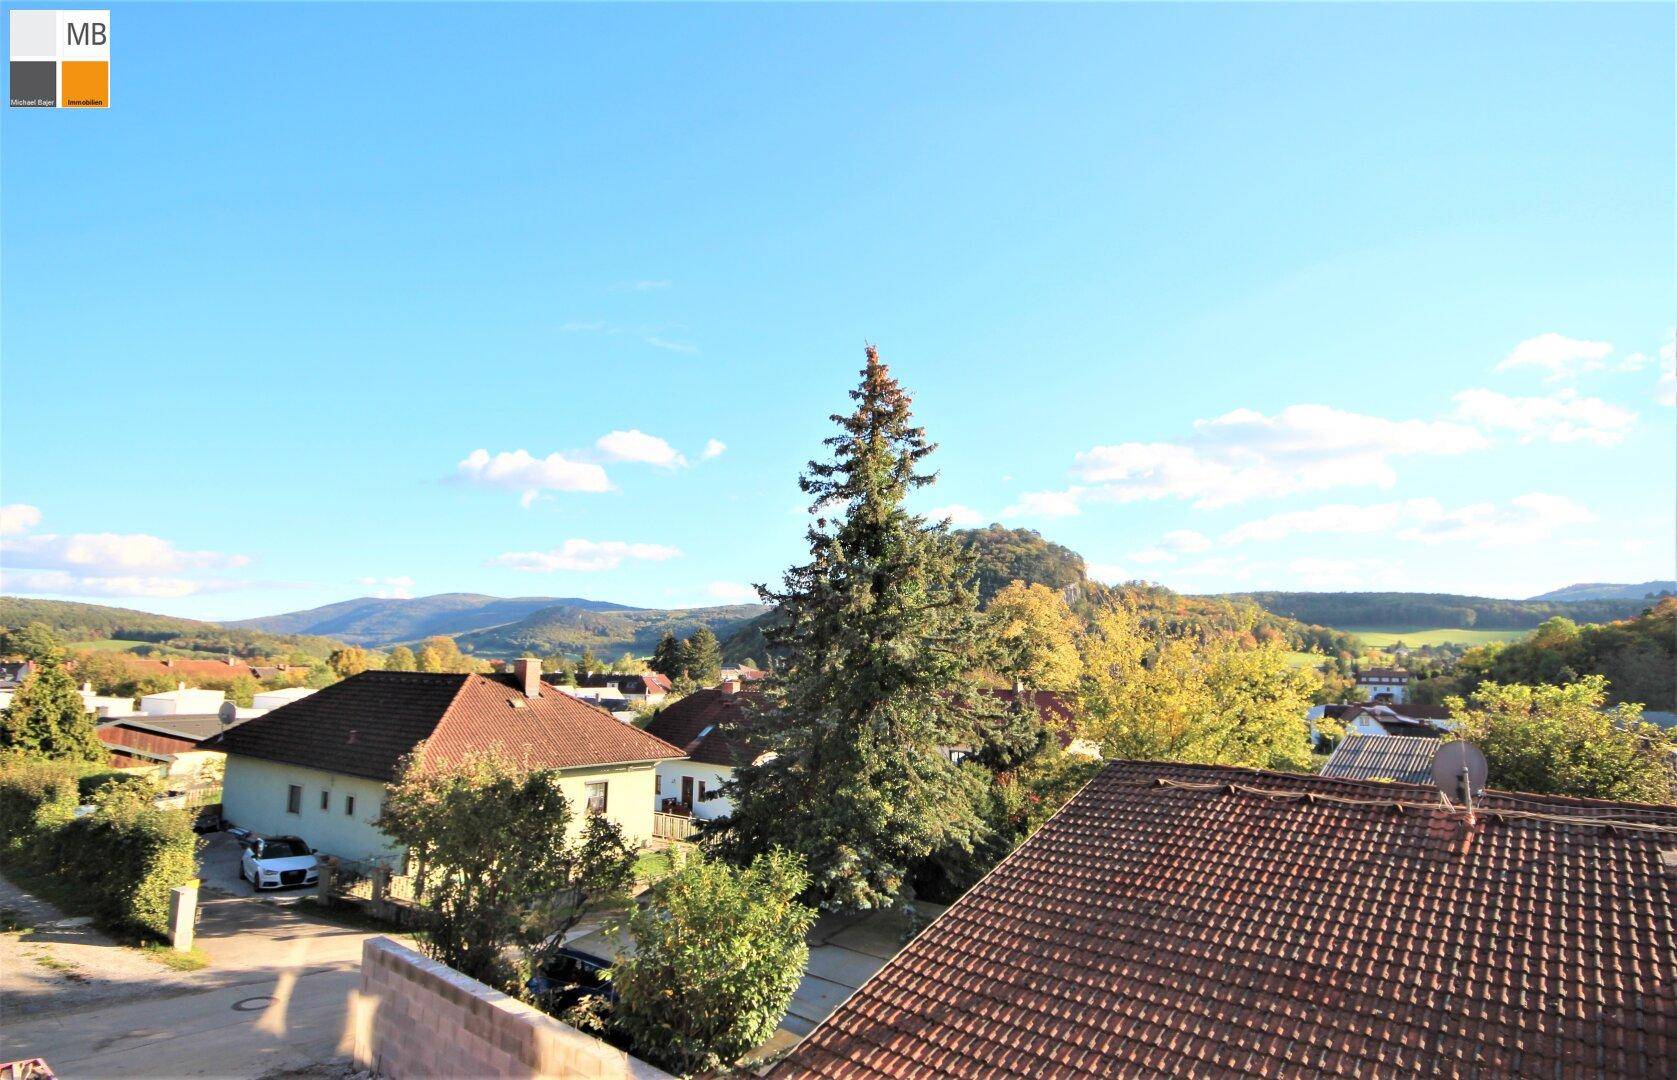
<point>1154,929</point>
<point>363,726</point>
<point>215,669</point>
<point>704,724</point>
<point>1382,673</point>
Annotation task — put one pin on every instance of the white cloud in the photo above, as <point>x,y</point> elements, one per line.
<point>1558,356</point>
<point>1666,391</point>
<point>1185,540</point>
<point>1338,518</point>
<point>636,445</point>
<point>62,583</point>
<point>18,518</point>
<point>1525,519</point>
<point>650,285</point>
<point>671,346</point>
<point>961,517</point>
<point>731,592</point>
<point>1046,504</point>
<point>713,448</point>
<point>586,556</point>
<point>1152,555</point>
<point>1109,573</point>
<point>1562,417</point>
<point>1317,573</point>
<point>390,588</point>
<point>111,553</point>
<point>519,470</point>
<point>1245,454</point>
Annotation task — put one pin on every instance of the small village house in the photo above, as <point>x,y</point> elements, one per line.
<point>317,767</point>
<point>1384,684</point>
<point>705,725</point>
<point>644,688</point>
<point>181,745</point>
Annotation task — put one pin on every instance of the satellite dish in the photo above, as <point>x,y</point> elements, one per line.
<point>1460,771</point>
<point>228,713</point>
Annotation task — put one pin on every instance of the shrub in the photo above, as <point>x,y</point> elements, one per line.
<point>717,955</point>
<point>89,786</point>
<point>36,799</point>
<point>128,856</point>
<point>118,863</point>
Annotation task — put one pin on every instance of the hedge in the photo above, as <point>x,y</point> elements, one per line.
<point>121,861</point>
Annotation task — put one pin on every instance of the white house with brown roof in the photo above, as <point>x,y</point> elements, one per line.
<point>1384,684</point>
<point>317,767</point>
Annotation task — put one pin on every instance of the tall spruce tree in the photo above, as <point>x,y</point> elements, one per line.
<point>666,658</point>
<point>48,718</point>
<point>875,641</point>
<point>701,657</point>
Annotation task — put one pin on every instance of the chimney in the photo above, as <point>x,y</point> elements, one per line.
<point>729,686</point>
<point>528,671</point>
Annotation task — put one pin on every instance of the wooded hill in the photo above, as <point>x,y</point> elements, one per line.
<point>497,626</point>
<point>1004,555</point>
<point>70,621</point>
<point>1413,611</point>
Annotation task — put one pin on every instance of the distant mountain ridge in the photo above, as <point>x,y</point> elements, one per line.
<point>371,620</point>
<point>497,625</point>
<point>1606,591</point>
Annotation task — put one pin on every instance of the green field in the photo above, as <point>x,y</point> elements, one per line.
<point>1381,639</point>
<point>106,645</point>
<point>125,645</point>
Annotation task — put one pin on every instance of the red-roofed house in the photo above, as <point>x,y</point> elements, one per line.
<point>704,726</point>
<point>316,768</point>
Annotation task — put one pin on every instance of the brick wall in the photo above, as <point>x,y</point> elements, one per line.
<point>416,1018</point>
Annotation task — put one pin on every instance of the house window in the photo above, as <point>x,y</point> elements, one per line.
<point>326,800</point>
<point>349,804</point>
<point>596,797</point>
<point>294,799</point>
<point>657,785</point>
<point>703,795</point>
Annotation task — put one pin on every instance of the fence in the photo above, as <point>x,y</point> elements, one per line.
<point>673,826</point>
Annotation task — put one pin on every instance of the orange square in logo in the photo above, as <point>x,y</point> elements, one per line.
<point>84,84</point>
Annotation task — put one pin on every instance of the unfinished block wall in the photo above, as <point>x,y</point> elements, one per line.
<point>416,1018</point>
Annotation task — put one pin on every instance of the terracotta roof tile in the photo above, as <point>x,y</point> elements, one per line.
<point>705,724</point>
<point>1194,920</point>
<point>363,725</point>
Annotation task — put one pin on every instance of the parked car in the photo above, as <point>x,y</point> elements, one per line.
<point>274,862</point>
<point>570,978</point>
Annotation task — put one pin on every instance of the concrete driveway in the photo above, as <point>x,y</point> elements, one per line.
<point>218,869</point>
<point>275,996</point>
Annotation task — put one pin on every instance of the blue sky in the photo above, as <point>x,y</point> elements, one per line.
<point>1223,297</point>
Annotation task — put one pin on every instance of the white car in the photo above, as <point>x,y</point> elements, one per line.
<point>274,862</point>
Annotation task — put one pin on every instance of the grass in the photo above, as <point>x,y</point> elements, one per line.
<point>1382,639</point>
<point>191,960</point>
<point>652,865</point>
<point>108,645</point>
<point>1305,659</point>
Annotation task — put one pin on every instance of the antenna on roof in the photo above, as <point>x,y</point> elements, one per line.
<point>228,713</point>
<point>1460,772</point>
